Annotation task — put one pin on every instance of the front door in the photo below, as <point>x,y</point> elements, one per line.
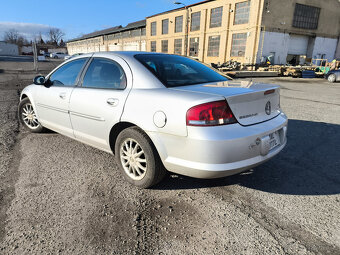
<point>52,101</point>
<point>98,104</point>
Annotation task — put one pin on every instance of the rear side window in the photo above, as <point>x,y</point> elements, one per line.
<point>174,71</point>
<point>104,73</point>
<point>67,74</point>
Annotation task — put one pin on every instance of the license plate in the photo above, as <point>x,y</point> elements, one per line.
<point>274,140</point>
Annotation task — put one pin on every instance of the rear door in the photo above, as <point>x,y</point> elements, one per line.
<point>98,103</point>
<point>52,101</point>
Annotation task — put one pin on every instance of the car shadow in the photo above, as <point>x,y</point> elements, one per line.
<point>308,165</point>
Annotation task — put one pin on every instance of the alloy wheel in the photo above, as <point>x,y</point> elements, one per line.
<point>133,159</point>
<point>331,78</point>
<point>29,117</point>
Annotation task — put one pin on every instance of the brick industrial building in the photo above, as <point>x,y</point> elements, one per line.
<point>215,31</point>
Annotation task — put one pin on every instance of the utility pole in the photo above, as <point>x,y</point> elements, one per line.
<point>35,55</point>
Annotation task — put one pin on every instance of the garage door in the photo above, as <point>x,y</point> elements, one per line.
<point>298,45</point>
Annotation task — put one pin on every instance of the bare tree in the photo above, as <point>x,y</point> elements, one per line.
<point>55,35</point>
<point>11,36</point>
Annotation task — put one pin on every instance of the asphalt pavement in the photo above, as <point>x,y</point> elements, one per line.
<point>16,58</point>
<point>58,196</point>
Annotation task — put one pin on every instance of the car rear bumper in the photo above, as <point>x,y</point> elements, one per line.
<point>212,152</point>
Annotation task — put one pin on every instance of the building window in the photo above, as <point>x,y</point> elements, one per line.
<point>242,13</point>
<point>126,34</point>
<point>178,46</point>
<point>153,46</point>
<point>165,26</point>
<point>306,16</point>
<point>165,46</point>
<point>216,17</point>
<point>214,46</point>
<point>153,28</point>
<point>178,24</point>
<point>193,45</point>
<point>238,45</point>
<point>195,21</point>
<point>136,32</point>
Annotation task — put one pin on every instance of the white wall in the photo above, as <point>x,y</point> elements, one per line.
<point>280,44</point>
<point>26,49</point>
<point>8,49</point>
<point>64,50</point>
<point>325,46</point>
<point>274,42</point>
<point>337,53</point>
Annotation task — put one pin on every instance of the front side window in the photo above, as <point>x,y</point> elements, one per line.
<point>214,46</point>
<point>242,13</point>
<point>104,73</point>
<point>174,71</point>
<point>153,28</point>
<point>194,46</point>
<point>67,74</point>
<point>164,46</point>
<point>153,46</point>
<point>178,24</point>
<point>195,21</point>
<point>165,26</point>
<point>238,45</point>
<point>178,46</point>
<point>306,16</point>
<point>216,17</point>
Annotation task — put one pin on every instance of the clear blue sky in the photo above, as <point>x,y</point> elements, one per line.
<point>76,17</point>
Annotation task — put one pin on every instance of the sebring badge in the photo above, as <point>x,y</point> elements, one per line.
<point>268,108</point>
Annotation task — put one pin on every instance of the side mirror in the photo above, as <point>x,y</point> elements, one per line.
<point>39,80</point>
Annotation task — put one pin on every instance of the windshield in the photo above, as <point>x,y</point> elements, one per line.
<point>173,70</point>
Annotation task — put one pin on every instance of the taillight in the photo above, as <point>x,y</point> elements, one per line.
<point>210,114</point>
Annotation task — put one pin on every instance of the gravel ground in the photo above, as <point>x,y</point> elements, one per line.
<point>60,196</point>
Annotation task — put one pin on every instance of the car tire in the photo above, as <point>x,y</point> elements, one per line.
<point>55,57</point>
<point>143,168</point>
<point>331,78</point>
<point>27,116</point>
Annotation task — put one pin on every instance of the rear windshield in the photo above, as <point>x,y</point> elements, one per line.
<point>174,71</point>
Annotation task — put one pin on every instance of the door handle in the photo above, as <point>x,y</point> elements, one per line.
<point>62,95</point>
<point>112,101</point>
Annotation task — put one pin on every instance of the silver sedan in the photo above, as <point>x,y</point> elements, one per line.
<point>157,113</point>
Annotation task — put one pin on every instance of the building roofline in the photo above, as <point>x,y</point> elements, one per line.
<point>112,30</point>
<point>181,8</point>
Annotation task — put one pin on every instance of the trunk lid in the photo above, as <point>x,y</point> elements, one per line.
<point>250,102</point>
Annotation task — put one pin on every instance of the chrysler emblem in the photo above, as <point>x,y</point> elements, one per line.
<point>268,108</point>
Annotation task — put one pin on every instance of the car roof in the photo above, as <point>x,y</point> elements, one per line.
<point>126,53</point>
<point>122,54</point>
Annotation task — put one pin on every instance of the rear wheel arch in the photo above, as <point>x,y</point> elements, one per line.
<point>23,96</point>
<point>115,131</point>
<point>118,128</point>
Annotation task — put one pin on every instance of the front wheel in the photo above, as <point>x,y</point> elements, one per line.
<point>331,78</point>
<point>137,158</point>
<point>28,117</point>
